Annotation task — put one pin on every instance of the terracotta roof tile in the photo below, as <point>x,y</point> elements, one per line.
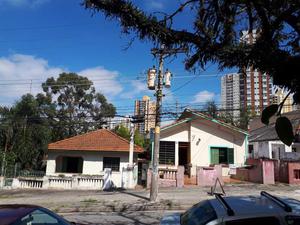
<point>99,140</point>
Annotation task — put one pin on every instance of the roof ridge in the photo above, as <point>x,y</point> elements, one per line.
<point>78,135</point>
<point>218,121</point>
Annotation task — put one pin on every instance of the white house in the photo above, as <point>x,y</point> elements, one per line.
<point>87,155</point>
<point>196,139</point>
<point>264,141</point>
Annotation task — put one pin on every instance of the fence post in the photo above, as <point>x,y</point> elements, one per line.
<point>180,176</point>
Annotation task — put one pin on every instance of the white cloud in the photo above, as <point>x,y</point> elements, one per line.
<point>21,74</point>
<point>137,87</point>
<point>23,3</point>
<point>105,81</point>
<point>154,4</point>
<point>203,96</point>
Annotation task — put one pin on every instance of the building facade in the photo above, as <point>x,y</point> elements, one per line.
<point>147,109</point>
<point>249,91</point>
<point>88,155</point>
<point>196,140</point>
<point>230,94</point>
<point>279,96</point>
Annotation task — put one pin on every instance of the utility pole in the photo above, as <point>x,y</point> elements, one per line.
<point>131,145</point>
<point>154,177</point>
<point>162,52</point>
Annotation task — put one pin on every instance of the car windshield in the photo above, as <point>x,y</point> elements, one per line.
<point>199,214</point>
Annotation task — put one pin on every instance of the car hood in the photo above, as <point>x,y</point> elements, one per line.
<point>172,219</point>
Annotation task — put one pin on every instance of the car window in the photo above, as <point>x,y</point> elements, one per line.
<point>256,221</point>
<point>199,214</point>
<point>39,217</point>
<point>292,220</point>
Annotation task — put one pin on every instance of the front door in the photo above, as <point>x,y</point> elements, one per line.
<point>184,155</point>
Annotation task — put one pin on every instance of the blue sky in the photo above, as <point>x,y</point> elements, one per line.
<point>42,38</point>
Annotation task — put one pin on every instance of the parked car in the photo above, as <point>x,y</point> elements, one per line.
<point>265,209</point>
<point>29,215</point>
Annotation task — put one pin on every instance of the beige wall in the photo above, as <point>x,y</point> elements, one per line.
<point>92,163</point>
<point>205,135</point>
<point>177,133</point>
<point>202,135</point>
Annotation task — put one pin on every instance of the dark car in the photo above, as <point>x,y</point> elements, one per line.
<point>265,209</point>
<point>29,215</point>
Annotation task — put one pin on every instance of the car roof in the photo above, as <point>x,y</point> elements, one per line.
<point>253,205</point>
<point>10,213</point>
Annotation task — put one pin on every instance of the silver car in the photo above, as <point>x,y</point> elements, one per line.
<point>265,209</point>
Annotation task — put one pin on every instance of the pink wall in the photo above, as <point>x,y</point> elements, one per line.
<point>268,172</point>
<point>293,178</point>
<point>206,176</point>
<point>241,174</point>
<point>255,173</point>
<point>260,171</point>
<point>168,181</point>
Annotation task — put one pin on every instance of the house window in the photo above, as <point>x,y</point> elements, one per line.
<point>167,152</point>
<point>111,162</point>
<point>221,155</point>
<point>250,149</point>
<point>297,174</point>
<point>67,164</point>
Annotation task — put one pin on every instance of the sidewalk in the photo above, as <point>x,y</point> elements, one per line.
<point>64,201</point>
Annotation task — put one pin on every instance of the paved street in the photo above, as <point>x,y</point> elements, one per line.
<point>131,206</point>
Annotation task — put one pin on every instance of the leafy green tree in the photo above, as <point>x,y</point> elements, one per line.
<point>33,132</point>
<point>7,139</point>
<point>245,116</point>
<point>122,132</point>
<point>139,139</point>
<point>25,134</point>
<point>73,106</point>
<point>211,109</point>
<point>125,133</point>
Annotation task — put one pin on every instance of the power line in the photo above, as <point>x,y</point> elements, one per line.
<point>56,26</point>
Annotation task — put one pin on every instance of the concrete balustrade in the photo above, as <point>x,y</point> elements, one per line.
<point>168,177</point>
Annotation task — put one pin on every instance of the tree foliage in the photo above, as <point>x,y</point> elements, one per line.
<point>69,106</point>
<point>125,133</point>
<point>25,134</point>
<point>211,109</point>
<point>73,106</point>
<point>215,34</point>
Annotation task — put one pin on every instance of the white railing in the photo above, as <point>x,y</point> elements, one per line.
<point>60,182</point>
<point>167,173</point>
<point>94,182</point>
<point>30,183</point>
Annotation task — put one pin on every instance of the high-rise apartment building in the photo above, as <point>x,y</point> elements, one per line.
<point>245,91</point>
<point>278,97</point>
<point>249,90</point>
<point>257,91</point>
<point>146,108</point>
<point>230,94</point>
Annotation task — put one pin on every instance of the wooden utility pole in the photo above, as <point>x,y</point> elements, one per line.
<point>162,52</point>
<point>154,177</point>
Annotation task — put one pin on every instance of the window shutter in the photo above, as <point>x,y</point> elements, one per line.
<point>214,156</point>
<point>230,156</point>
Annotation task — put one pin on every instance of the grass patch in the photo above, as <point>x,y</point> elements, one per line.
<point>89,200</point>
